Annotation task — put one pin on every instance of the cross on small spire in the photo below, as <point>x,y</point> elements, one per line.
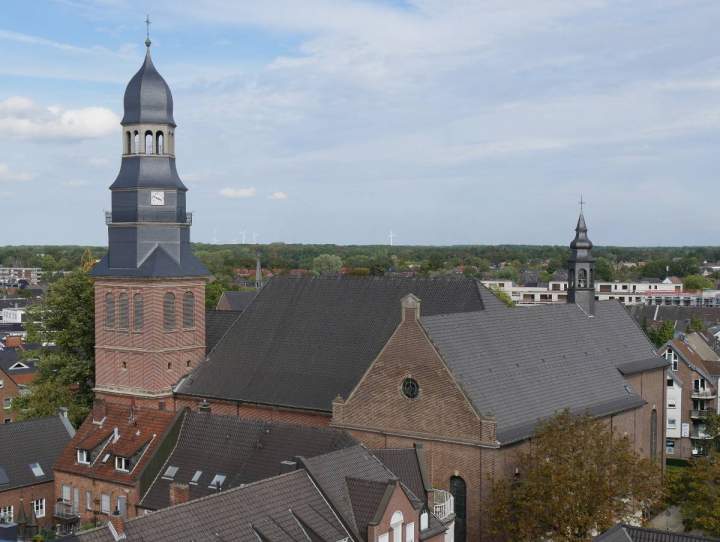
<point>147,23</point>
<point>582,202</point>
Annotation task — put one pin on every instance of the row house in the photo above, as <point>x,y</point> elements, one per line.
<point>18,368</point>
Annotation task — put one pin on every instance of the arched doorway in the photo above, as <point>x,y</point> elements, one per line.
<point>458,489</point>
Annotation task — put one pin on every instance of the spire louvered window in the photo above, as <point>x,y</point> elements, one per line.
<point>188,310</point>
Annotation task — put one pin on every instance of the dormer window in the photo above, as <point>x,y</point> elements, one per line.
<point>122,463</point>
<point>217,481</point>
<point>83,457</point>
<point>170,473</point>
<point>196,477</point>
<point>37,470</point>
<point>18,365</point>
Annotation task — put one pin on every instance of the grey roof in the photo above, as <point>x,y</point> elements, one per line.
<point>35,441</point>
<point>138,171</point>
<point>10,356</point>
<point>237,301</point>
<point>336,474</point>
<point>288,507</point>
<point>244,451</point>
<point>303,341</point>
<point>216,325</point>
<point>406,465</point>
<point>158,264</point>
<point>627,533</point>
<point>523,365</point>
<point>581,240</point>
<point>679,315</point>
<point>147,97</point>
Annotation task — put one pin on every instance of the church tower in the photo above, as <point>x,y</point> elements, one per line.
<point>581,269</point>
<point>149,288</point>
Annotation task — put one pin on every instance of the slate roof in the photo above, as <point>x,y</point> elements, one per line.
<point>146,427</point>
<point>158,264</point>
<point>138,171</point>
<point>244,451</point>
<point>680,316</point>
<point>691,357</point>
<point>523,365</point>
<point>10,356</point>
<point>627,533</point>
<point>336,474</point>
<point>237,301</point>
<point>33,441</point>
<point>285,508</point>
<point>303,341</point>
<point>216,325</point>
<point>408,466</point>
<point>147,97</point>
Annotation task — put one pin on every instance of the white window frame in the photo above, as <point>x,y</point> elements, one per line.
<point>7,403</point>
<point>105,503</point>
<point>83,456</point>
<point>672,403</point>
<point>88,500</point>
<point>385,537</point>
<point>2,383</point>
<point>66,493</point>
<point>217,481</point>
<point>672,423</point>
<point>39,508</point>
<point>37,470</point>
<point>6,514</point>
<point>122,464</point>
<point>410,532</point>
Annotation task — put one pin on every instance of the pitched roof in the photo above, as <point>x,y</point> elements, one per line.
<point>236,301</point>
<point>406,465</point>
<point>146,427</point>
<point>690,356</point>
<point>10,356</point>
<point>627,533</point>
<point>285,508</point>
<point>679,315</point>
<point>303,341</point>
<point>336,472</point>
<point>33,441</point>
<point>158,264</point>
<point>216,325</point>
<point>552,356</point>
<point>242,450</point>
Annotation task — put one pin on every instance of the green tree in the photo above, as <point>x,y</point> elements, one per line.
<point>696,489</point>
<point>604,269</point>
<point>66,372</point>
<point>697,282</point>
<point>696,324</point>
<point>662,334</point>
<point>503,296</point>
<point>327,264</point>
<point>215,289</point>
<point>574,477</point>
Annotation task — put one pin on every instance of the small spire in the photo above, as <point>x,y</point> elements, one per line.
<point>147,39</point>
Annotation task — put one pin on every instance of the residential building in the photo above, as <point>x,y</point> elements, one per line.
<point>13,275</point>
<point>692,394</point>
<point>345,495</point>
<point>28,451</point>
<point>680,316</point>
<point>631,533</point>
<point>17,371</point>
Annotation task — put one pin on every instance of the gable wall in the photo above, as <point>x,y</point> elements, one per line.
<point>8,391</point>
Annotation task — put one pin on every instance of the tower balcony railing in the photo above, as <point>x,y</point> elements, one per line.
<point>442,503</point>
<point>188,218</point>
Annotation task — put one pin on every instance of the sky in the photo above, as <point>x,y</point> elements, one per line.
<point>337,121</point>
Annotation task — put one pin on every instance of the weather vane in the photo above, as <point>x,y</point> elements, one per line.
<point>147,23</point>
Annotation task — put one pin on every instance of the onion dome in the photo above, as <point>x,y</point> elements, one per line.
<point>581,240</point>
<point>148,99</point>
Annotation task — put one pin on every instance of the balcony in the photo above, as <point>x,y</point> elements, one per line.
<point>703,394</point>
<point>442,503</point>
<point>699,414</point>
<point>699,434</point>
<point>109,219</point>
<point>65,511</point>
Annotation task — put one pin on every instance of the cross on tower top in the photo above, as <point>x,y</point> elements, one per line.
<point>582,202</point>
<point>147,23</point>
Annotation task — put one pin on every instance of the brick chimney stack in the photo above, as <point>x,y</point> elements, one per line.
<point>179,493</point>
<point>117,526</point>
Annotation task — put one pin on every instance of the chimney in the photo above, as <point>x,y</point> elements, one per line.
<point>204,406</point>
<point>117,525</point>
<point>179,493</point>
<point>13,341</point>
<point>99,412</point>
<point>288,466</point>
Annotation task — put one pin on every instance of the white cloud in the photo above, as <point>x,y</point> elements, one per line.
<point>21,117</point>
<point>75,183</point>
<point>279,195</point>
<point>235,193</point>
<point>9,176</point>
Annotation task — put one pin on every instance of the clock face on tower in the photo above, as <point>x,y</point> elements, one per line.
<point>157,198</point>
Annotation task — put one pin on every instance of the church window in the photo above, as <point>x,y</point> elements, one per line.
<point>137,312</point>
<point>410,388</point>
<point>169,312</point>
<point>123,311</point>
<point>136,142</point>
<point>159,143</point>
<point>582,278</point>
<point>109,311</point>
<point>148,142</point>
<point>188,310</point>
<point>128,142</point>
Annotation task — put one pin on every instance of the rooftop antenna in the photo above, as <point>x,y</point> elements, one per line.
<point>147,24</point>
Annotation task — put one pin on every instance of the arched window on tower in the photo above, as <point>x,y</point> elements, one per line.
<point>159,143</point>
<point>582,278</point>
<point>128,142</point>
<point>109,311</point>
<point>123,311</point>
<point>148,142</point>
<point>138,313</point>
<point>169,311</point>
<point>458,489</point>
<point>188,310</point>
<point>136,142</point>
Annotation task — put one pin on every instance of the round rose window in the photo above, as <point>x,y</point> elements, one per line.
<point>410,388</point>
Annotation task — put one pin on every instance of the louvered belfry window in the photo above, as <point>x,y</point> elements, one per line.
<point>188,310</point>
<point>123,311</point>
<point>138,312</point>
<point>109,311</point>
<point>169,312</point>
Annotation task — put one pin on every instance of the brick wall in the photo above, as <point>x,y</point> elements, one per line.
<point>152,360</point>
<point>398,502</point>
<point>28,494</point>
<point>9,390</point>
<point>97,488</point>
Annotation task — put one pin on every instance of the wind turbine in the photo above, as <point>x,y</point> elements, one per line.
<point>392,237</point>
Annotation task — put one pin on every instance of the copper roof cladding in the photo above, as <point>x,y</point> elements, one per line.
<point>145,426</point>
<point>147,97</point>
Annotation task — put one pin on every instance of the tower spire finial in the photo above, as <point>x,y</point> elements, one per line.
<point>582,203</point>
<point>147,24</point>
